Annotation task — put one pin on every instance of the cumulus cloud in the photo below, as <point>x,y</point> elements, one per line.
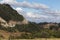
<point>19,10</point>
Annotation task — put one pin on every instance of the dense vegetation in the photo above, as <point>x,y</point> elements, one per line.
<point>33,30</point>
<point>7,13</point>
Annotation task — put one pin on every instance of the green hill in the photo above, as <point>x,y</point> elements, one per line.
<point>8,13</point>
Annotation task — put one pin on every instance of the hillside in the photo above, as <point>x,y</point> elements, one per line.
<point>15,26</point>
<point>10,17</point>
<point>8,13</point>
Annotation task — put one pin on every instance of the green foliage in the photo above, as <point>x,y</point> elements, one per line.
<point>57,34</point>
<point>9,29</point>
<point>2,28</point>
<point>42,35</point>
<point>54,27</point>
<point>31,27</point>
<point>35,31</point>
<point>26,36</point>
<point>7,13</point>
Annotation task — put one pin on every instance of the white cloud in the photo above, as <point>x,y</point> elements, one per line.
<point>36,16</point>
<point>50,15</point>
<point>25,4</point>
<point>53,12</point>
<point>8,1</point>
<point>19,10</point>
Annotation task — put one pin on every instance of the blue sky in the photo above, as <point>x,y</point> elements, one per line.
<point>37,10</point>
<point>54,4</point>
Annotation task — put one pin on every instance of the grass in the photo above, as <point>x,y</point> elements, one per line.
<point>35,39</point>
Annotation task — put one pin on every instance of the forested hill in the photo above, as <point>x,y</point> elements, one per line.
<point>8,13</point>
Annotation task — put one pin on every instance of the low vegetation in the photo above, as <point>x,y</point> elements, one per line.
<point>26,31</point>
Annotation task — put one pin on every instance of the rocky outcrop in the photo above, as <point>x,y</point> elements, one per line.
<point>12,23</point>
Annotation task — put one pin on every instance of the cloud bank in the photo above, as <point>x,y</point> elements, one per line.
<point>25,4</point>
<point>47,14</point>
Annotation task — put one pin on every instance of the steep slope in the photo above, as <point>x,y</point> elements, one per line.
<point>10,17</point>
<point>8,13</point>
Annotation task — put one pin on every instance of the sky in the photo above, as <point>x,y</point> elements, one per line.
<point>36,10</point>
